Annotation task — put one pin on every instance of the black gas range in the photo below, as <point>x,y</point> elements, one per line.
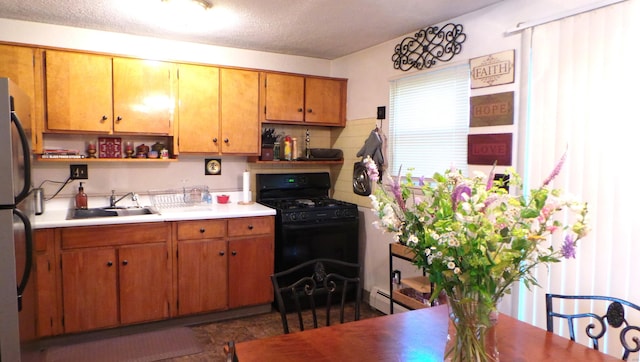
<point>309,224</point>
<point>302,198</point>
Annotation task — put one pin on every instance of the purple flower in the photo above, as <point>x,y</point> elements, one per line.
<point>569,247</point>
<point>372,169</point>
<point>456,196</point>
<point>556,169</point>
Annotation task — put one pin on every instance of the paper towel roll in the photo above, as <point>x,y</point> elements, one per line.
<point>246,191</point>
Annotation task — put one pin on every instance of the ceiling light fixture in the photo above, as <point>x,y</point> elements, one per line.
<point>204,3</point>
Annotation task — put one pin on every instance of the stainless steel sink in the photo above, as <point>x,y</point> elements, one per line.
<point>108,212</point>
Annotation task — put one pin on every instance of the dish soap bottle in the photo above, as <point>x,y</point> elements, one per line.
<point>81,198</point>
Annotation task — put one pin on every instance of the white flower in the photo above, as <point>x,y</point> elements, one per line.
<point>457,270</point>
<point>451,265</point>
<point>412,239</point>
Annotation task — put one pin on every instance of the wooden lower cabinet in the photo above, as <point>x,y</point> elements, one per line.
<point>202,266</point>
<point>96,277</point>
<point>115,275</point>
<point>224,263</point>
<point>250,268</point>
<point>40,315</point>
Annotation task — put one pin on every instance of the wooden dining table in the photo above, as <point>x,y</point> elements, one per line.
<point>418,335</point>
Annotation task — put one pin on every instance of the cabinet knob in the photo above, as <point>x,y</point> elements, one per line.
<point>309,110</point>
<point>234,253</point>
<point>299,109</point>
<point>215,139</point>
<point>221,252</point>
<point>250,227</point>
<point>202,230</point>
<point>109,263</point>
<point>125,262</point>
<point>118,119</point>
<point>104,118</point>
<point>226,140</point>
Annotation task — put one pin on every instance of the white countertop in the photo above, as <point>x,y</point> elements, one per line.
<point>56,212</point>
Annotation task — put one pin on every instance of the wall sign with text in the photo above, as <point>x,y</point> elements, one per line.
<point>491,110</point>
<point>485,149</point>
<point>493,69</point>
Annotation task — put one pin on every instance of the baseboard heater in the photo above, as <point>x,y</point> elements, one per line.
<point>380,299</point>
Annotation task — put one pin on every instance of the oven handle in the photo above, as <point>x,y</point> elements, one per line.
<point>308,225</point>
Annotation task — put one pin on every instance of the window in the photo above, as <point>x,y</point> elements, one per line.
<point>429,121</point>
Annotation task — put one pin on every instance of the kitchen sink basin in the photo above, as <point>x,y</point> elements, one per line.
<point>109,212</point>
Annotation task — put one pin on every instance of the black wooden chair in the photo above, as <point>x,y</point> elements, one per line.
<point>583,307</point>
<point>314,286</point>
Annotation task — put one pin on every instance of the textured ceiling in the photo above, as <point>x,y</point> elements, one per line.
<point>325,29</point>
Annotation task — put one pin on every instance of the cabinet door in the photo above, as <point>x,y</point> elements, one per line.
<point>89,295</point>
<point>284,98</point>
<point>325,101</point>
<point>16,63</point>
<point>78,92</point>
<point>239,111</point>
<point>202,276</point>
<point>198,116</point>
<point>145,282</point>
<point>46,282</point>
<point>142,99</point>
<point>250,268</point>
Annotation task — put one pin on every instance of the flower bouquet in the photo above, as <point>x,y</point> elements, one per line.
<point>475,239</point>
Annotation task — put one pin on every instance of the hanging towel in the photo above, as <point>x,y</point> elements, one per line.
<point>373,148</point>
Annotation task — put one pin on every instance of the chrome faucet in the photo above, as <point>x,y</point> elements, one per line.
<point>113,200</point>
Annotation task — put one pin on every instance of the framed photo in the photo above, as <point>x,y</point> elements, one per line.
<point>493,69</point>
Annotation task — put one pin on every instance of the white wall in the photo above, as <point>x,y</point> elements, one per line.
<point>370,70</point>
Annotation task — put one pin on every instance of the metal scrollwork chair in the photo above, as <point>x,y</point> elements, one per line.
<point>317,285</point>
<point>582,309</point>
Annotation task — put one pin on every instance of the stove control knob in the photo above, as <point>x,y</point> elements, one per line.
<point>293,217</point>
<point>303,216</point>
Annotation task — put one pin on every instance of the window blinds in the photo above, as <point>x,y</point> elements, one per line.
<point>429,121</point>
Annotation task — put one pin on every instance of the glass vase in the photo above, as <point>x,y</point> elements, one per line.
<point>472,332</point>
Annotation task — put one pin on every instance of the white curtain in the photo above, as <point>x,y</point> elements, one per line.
<point>583,95</point>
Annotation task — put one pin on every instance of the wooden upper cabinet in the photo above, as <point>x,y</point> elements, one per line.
<point>17,64</point>
<point>198,112</point>
<point>78,92</point>
<point>142,97</point>
<point>239,116</point>
<point>325,101</point>
<point>304,99</point>
<point>284,97</point>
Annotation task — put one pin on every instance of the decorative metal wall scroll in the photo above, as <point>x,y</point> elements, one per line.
<point>428,46</point>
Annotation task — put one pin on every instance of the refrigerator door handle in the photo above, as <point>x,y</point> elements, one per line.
<point>26,155</point>
<point>28,256</point>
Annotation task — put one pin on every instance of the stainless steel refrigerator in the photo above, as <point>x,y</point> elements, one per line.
<point>16,213</point>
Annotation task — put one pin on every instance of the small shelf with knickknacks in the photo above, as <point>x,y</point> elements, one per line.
<point>108,149</point>
<point>413,292</point>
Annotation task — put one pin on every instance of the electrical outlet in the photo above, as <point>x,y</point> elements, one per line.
<point>79,172</point>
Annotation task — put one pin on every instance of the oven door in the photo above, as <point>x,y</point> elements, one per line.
<point>298,243</point>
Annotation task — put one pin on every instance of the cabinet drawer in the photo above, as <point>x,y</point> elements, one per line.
<point>251,226</point>
<point>113,235</point>
<point>201,229</point>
